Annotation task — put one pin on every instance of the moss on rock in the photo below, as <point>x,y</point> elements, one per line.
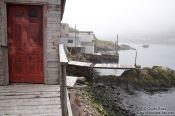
<point>155,77</point>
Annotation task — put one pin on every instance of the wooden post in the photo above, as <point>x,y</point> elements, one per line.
<point>117,43</point>
<point>115,47</point>
<point>135,59</point>
<point>75,36</point>
<point>4,66</point>
<point>63,91</point>
<point>91,72</point>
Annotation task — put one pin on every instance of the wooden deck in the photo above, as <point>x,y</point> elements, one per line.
<point>30,100</point>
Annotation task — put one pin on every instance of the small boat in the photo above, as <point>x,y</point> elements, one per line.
<point>145,46</point>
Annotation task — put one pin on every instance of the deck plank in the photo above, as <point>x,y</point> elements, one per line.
<point>30,100</point>
<point>77,63</point>
<point>27,95</point>
<point>113,66</point>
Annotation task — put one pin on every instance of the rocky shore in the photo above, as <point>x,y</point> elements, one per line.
<point>106,46</point>
<point>155,77</point>
<point>100,100</point>
<point>111,95</point>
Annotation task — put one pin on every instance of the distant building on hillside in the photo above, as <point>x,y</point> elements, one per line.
<point>72,38</point>
<point>87,39</point>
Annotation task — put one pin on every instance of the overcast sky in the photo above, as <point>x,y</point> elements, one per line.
<point>125,17</point>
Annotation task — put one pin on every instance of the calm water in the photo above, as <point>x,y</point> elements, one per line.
<point>164,55</point>
<point>161,103</point>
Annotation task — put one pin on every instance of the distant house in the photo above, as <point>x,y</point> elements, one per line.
<point>72,38</point>
<point>29,37</point>
<point>87,39</point>
<point>71,41</point>
<point>68,37</point>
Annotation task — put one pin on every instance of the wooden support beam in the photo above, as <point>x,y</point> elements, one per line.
<point>63,57</point>
<point>63,89</point>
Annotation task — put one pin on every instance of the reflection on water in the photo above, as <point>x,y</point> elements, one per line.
<point>158,102</point>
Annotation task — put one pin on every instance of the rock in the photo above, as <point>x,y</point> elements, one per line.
<point>157,76</point>
<point>118,93</point>
<point>81,80</point>
<point>113,87</point>
<point>99,85</point>
<point>75,110</point>
<point>131,72</point>
<point>125,47</point>
<point>85,109</point>
<point>75,104</point>
<point>144,72</point>
<point>89,114</point>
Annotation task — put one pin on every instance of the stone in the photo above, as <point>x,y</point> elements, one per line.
<point>81,80</point>
<point>99,85</point>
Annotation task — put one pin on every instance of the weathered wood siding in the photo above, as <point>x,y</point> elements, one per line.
<point>52,23</point>
<point>1,67</point>
<point>4,80</point>
<point>53,35</point>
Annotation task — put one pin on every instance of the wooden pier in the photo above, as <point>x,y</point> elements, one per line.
<point>101,65</point>
<point>86,69</point>
<point>30,100</point>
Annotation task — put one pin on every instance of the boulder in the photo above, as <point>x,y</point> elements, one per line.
<point>81,80</point>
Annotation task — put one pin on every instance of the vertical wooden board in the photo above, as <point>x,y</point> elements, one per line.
<point>2,23</point>
<point>53,34</point>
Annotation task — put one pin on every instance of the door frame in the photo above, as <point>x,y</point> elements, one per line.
<point>44,8</point>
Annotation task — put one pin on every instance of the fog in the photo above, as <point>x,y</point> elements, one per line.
<point>133,20</point>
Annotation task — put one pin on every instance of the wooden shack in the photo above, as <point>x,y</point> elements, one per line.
<point>29,37</point>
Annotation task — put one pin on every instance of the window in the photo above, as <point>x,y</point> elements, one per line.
<point>70,41</point>
<point>33,12</point>
<point>18,13</point>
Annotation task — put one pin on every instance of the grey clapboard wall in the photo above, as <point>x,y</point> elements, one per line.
<point>53,35</point>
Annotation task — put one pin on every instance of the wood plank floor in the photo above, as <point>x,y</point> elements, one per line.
<point>30,100</point>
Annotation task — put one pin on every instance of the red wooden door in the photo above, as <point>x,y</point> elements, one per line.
<point>25,41</point>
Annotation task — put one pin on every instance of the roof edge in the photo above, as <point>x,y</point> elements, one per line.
<point>63,2</point>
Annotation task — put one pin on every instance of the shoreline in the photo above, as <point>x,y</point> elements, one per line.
<point>117,101</point>
<point>112,96</point>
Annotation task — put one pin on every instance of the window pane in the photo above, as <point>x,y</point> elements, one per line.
<point>33,12</point>
<point>70,41</point>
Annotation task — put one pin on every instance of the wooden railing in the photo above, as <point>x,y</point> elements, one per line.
<point>63,90</point>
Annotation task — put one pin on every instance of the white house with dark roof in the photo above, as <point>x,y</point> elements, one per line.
<point>85,39</point>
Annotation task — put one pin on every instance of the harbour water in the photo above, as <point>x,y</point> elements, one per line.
<point>161,103</point>
<point>156,54</point>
